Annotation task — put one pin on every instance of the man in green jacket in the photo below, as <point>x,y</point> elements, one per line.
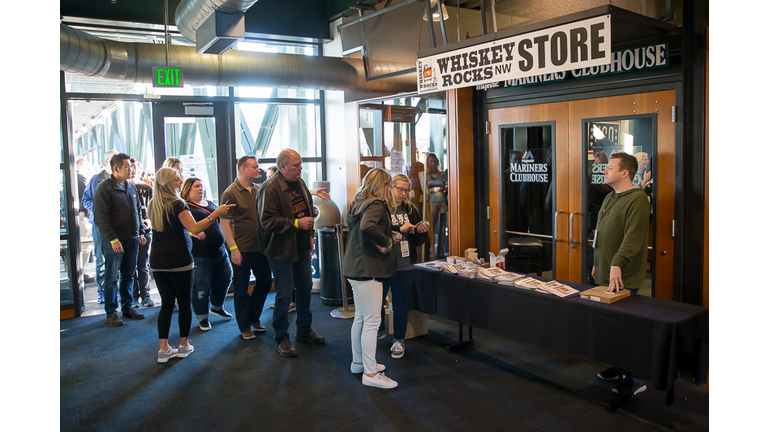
<point>621,244</point>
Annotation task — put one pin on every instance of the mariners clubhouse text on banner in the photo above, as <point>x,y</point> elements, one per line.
<point>570,46</point>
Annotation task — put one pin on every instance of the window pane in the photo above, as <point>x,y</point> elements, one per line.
<point>100,126</point>
<point>527,198</point>
<point>268,128</point>
<point>193,141</point>
<point>402,135</point>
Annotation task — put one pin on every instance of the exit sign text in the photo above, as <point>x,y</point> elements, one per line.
<point>167,77</point>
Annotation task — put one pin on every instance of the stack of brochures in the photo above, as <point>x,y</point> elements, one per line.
<point>432,265</point>
<point>531,284</point>
<point>495,274</point>
<point>468,272</point>
<point>452,268</point>
<point>560,290</point>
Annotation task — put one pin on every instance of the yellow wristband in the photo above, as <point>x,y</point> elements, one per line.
<point>115,241</point>
<point>296,223</point>
<point>233,247</point>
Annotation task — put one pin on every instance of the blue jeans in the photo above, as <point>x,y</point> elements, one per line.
<point>212,278</point>
<point>290,275</point>
<point>141,275</point>
<point>248,307</point>
<point>123,265</point>
<point>99,257</point>
<point>401,284</point>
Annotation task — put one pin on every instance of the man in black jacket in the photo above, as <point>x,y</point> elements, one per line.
<point>287,219</point>
<point>116,212</point>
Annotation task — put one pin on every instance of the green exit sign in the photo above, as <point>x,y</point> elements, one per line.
<point>167,77</point>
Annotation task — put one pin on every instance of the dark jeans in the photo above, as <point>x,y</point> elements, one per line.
<point>248,307</point>
<point>401,284</point>
<point>99,257</point>
<point>174,287</point>
<point>124,265</point>
<point>290,275</point>
<point>212,279</point>
<point>141,286</point>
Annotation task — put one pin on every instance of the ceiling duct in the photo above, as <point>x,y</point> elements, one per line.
<point>85,54</point>
<point>214,25</point>
<point>220,32</point>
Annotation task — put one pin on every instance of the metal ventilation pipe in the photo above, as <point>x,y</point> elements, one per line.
<point>190,14</point>
<point>89,55</point>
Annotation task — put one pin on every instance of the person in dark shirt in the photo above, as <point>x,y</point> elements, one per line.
<point>141,276</point>
<point>213,272</point>
<point>116,210</point>
<point>170,259</point>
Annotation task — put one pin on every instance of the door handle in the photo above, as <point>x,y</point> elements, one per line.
<point>570,229</point>
<point>557,239</point>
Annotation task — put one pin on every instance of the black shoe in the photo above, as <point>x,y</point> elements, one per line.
<point>221,312</point>
<point>89,279</point>
<point>204,325</point>
<point>629,388</point>
<point>610,374</point>
<point>286,349</point>
<point>312,338</point>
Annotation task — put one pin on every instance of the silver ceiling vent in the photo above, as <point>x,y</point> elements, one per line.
<point>220,32</point>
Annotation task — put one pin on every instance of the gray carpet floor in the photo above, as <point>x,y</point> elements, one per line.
<point>110,380</point>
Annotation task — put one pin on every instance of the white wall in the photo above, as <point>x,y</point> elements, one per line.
<point>335,143</point>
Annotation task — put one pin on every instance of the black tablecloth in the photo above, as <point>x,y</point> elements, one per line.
<point>652,338</point>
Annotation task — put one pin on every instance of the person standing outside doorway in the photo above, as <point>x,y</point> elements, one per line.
<point>116,212</point>
<point>241,234</point>
<point>621,246</point>
<point>287,220</point>
<point>87,201</point>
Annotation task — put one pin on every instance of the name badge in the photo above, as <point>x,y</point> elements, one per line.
<point>404,249</point>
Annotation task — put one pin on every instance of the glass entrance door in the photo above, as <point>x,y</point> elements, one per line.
<point>548,184</point>
<point>196,136</point>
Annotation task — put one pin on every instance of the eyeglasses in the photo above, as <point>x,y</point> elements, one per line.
<point>401,190</point>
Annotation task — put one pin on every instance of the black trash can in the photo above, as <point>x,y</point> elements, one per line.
<point>330,269</point>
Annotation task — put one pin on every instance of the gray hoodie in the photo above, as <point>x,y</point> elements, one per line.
<point>369,226</point>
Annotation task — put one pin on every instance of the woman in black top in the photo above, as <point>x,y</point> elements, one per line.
<point>170,259</point>
<point>213,273</point>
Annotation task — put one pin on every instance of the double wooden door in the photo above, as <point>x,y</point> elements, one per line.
<point>546,181</point>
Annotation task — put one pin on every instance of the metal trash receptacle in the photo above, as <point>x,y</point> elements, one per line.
<point>330,267</point>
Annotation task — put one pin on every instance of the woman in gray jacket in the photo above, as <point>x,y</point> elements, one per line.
<point>367,262</point>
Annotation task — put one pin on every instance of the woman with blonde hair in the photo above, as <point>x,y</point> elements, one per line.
<point>409,232</point>
<point>170,259</point>
<point>175,163</point>
<point>369,261</point>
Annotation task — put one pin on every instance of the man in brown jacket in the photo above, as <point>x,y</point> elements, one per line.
<point>287,219</point>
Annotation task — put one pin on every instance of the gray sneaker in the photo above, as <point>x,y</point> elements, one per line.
<point>164,356</point>
<point>185,350</point>
<point>398,349</point>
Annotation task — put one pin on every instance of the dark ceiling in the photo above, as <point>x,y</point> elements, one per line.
<point>292,18</point>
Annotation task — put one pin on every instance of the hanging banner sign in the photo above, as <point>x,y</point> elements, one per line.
<point>576,45</point>
<point>628,60</point>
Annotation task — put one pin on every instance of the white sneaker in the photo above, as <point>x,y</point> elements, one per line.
<point>379,380</point>
<point>164,356</point>
<point>185,351</point>
<point>398,349</point>
<point>358,368</point>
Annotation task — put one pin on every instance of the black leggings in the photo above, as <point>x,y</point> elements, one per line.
<point>174,287</point>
